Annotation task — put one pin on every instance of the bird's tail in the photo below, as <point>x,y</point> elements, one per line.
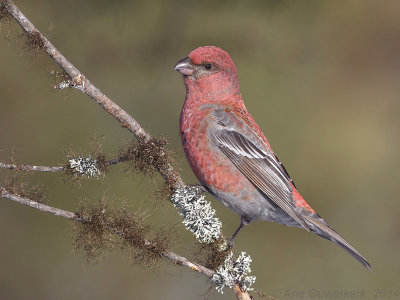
<point>322,229</point>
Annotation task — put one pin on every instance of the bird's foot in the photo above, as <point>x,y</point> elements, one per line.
<point>199,188</point>
<point>229,244</point>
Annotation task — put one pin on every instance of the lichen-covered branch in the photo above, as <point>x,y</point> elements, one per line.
<point>74,78</point>
<point>31,168</point>
<point>80,82</point>
<point>52,169</point>
<point>171,256</point>
<point>198,215</point>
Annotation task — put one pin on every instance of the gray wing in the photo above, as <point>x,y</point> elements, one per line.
<point>259,166</point>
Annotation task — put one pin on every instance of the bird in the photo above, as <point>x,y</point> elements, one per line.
<point>230,155</point>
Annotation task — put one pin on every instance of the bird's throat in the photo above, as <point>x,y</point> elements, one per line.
<point>213,88</point>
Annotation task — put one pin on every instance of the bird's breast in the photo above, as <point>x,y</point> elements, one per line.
<point>213,169</point>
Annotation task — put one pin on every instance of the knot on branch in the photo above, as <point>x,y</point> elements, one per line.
<point>78,82</point>
<point>233,272</point>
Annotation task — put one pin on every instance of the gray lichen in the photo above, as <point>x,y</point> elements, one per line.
<point>198,215</point>
<point>84,166</point>
<point>234,272</point>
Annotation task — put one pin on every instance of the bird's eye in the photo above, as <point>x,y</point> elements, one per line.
<point>207,66</point>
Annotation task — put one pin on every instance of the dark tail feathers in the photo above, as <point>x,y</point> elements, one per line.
<point>323,230</point>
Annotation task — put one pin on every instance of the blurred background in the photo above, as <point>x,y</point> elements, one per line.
<point>321,78</point>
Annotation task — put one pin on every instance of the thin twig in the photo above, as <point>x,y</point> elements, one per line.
<point>173,257</point>
<point>80,82</point>
<point>34,204</point>
<point>117,160</point>
<point>31,168</point>
<point>53,169</point>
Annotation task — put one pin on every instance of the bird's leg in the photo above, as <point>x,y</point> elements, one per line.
<point>230,242</point>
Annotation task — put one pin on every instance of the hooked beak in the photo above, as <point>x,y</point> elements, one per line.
<point>184,66</point>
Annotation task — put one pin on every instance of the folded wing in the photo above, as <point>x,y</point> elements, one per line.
<point>258,164</point>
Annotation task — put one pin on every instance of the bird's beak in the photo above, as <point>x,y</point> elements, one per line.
<point>184,66</point>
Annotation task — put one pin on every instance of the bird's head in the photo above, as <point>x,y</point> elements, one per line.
<point>210,70</point>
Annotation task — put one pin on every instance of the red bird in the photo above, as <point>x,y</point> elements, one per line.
<point>230,155</point>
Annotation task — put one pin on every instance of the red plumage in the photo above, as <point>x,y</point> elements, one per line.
<point>230,155</point>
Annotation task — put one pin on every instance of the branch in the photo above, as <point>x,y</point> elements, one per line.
<point>53,169</point>
<point>31,168</point>
<point>240,294</point>
<point>171,256</point>
<point>80,82</point>
<point>34,204</point>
